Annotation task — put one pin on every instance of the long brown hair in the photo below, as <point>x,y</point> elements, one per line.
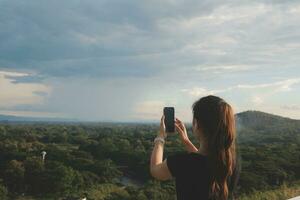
<point>217,122</point>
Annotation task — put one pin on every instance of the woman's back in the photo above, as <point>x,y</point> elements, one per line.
<point>192,176</point>
<point>198,176</point>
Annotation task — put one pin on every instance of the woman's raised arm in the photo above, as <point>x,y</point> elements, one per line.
<point>180,127</point>
<point>158,167</point>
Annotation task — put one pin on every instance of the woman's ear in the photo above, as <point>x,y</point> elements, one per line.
<point>196,128</point>
<point>195,125</point>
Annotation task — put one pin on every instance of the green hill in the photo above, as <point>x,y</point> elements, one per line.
<point>260,127</point>
<point>260,120</point>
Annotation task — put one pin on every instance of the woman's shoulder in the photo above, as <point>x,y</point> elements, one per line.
<point>197,155</point>
<point>184,163</point>
<point>189,154</point>
<point>187,157</point>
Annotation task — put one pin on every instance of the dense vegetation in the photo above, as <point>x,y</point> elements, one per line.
<point>111,161</point>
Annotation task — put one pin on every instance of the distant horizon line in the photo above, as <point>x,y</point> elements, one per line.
<point>32,119</point>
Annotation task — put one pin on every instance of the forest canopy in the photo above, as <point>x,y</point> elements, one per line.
<point>111,160</point>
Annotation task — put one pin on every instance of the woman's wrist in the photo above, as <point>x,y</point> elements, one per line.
<point>163,135</point>
<point>160,139</point>
<point>189,146</point>
<point>185,140</point>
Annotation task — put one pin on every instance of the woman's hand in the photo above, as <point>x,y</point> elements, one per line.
<point>180,127</point>
<point>162,130</point>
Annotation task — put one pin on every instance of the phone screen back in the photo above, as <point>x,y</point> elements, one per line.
<point>169,119</point>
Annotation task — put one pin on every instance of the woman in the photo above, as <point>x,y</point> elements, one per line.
<point>210,172</point>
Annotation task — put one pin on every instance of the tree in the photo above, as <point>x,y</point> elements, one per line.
<point>14,176</point>
<point>3,191</point>
<point>106,170</point>
<point>35,175</point>
<point>62,180</point>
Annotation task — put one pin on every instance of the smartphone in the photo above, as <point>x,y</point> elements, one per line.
<point>169,113</point>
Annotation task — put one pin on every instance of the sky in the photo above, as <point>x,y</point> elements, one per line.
<point>98,60</point>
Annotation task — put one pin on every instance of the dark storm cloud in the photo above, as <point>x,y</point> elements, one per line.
<point>60,38</point>
<point>122,38</point>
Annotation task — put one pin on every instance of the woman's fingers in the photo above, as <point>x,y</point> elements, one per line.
<point>178,119</point>
<point>162,120</point>
<point>180,124</point>
<point>183,125</point>
<point>179,129</point>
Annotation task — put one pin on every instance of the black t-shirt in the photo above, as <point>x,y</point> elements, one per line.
<point>192,176</point>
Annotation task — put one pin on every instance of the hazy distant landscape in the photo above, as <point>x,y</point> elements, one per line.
<point>111,161</point>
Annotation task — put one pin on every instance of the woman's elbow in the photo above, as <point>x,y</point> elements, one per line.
<point>155,173</point>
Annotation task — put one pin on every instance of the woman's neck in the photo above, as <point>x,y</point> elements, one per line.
<point>203,149</point>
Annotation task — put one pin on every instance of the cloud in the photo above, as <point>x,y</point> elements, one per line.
<point>14,94</point>
<point>256,95</point>
<point>13,74</point>
<point>95,37</point>
<point>113,38</point>
<point>224,68</point>
<point>257,100</point>
<point>88,54</point>
<point>32,114</point>
<point>149,110</point>
<point>198,91</point>
<point>279,86</point>
<point>293,107</point>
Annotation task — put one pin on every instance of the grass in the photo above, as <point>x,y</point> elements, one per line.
<point>282,193</point>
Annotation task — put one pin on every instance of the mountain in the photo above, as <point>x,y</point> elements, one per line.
<point>262,127</point>
<point>260,120</point>
<point>12,118</point>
